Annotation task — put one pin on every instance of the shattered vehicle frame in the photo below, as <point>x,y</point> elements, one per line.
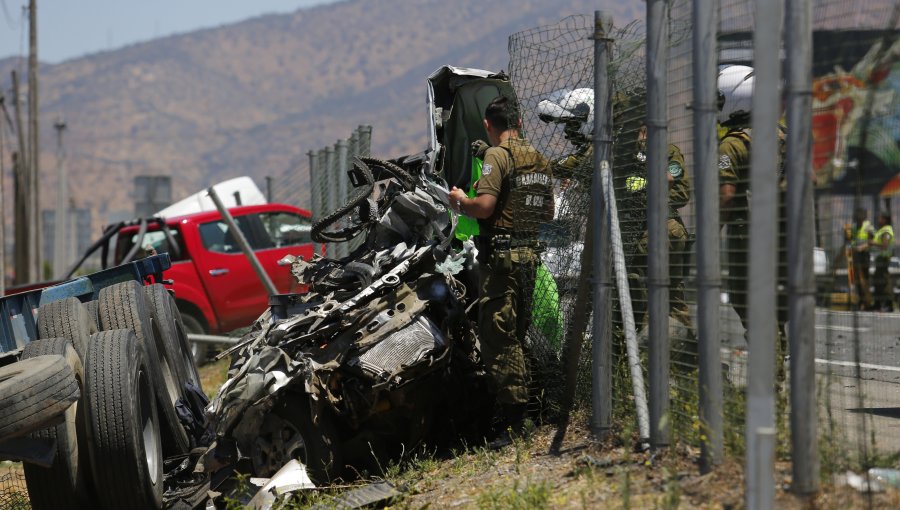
<point>381,354</point>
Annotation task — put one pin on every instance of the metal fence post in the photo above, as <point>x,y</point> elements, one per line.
<point>315,175</point>
<point>352,148</point>
<point>315,207</point>
<point>365,140</point>
<point>800,236</point>
<point>705,19</point>
<point>342,185</point>
<point>242,242</point>
<point>658,243</point>
<point>601,375</point>
<point>763,258</point>
<point>330,191</point>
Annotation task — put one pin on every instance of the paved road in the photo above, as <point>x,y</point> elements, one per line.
<point>856,400</point>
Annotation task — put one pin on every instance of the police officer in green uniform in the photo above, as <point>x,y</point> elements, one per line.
<point>735,87</point>
<point>679,195</point>
<point>513,198</point>
<point>735,84</point>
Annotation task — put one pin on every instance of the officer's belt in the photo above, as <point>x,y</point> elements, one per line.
<point>505,242</point>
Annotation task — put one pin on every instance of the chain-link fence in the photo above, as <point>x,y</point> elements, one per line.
<point>328,185</point>
<point>856,167</point>
<point>855,159</point>
<point>13,493</point>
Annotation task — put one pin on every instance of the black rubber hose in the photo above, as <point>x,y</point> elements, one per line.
<point>142,230</point>
<point>405,178</point>
<point>360,195</point>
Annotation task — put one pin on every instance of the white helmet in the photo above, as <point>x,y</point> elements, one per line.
<point>570,107</point>
<point>735,84</point>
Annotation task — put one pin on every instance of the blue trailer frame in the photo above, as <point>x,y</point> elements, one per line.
<point>18,323</point>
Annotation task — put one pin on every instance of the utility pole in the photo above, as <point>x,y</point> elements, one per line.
<point>20,188</point>
<point>61,223</point>
<point>34,136</point>
<point>2,198</point>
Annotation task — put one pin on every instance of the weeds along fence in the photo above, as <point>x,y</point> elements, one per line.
<point>328,185</point>
<point>850,340</point>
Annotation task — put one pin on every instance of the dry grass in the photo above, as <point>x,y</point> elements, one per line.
<point>213,375</point>
<point>590,474</point>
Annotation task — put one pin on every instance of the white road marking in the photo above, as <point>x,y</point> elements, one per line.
<point>849,329</point>
<point>867,366</point>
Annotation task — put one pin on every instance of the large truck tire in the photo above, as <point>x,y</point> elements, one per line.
<point>65,484</point>
<point>93,313</point>
<point>124,306</point>
<point>199,350</point>
<point>34,394</point>
<point>171,332</point>
<point>66,318</point>
<point>125,441</point>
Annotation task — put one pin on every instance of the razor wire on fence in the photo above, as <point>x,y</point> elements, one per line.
<point>855,133</point>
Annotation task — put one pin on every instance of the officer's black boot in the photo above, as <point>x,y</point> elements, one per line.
<point>517,426</point>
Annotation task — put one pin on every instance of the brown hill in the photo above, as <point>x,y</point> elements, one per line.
<point>253,97</point>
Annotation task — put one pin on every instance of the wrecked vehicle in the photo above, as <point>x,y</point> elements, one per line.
<point>377,357</point>
<point>381,354</point>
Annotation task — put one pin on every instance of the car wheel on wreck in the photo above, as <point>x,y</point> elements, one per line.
<point>290,431</point>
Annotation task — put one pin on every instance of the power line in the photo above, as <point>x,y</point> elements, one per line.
<point>9,20</point>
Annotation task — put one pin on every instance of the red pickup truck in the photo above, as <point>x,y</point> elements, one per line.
<point>215,287</point>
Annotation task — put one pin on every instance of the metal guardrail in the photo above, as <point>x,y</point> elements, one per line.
<point>213,339</point>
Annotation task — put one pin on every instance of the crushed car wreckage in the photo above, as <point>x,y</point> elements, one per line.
<point>378,356</point>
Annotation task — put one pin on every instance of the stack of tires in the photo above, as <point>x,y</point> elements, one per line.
<point>129,355</point>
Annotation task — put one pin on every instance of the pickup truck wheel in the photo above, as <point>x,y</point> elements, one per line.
<point>66,318</point>
<point>126,451</point>
<point>34,394</point>
<point>199,350</point>
<point>65,484</point>
<point>171,329</point>
<point>288,432</point>
<point>124,306</point>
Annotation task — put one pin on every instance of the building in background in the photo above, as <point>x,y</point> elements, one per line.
<point>78,237</point>
<point>151,193</point>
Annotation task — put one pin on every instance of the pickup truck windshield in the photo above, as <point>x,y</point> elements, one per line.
<point>286,229</point>
<point>216,236</point>
<point>154,238</point>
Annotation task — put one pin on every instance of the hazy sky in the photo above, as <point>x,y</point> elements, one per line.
<point>72,28</point>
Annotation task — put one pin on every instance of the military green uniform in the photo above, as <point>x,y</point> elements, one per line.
<point>520,178</point>
<point>577,165</point>
<point>734,169</point>
<point>679,195</point>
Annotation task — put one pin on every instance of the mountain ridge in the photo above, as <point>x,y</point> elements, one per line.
<point>252,97</point>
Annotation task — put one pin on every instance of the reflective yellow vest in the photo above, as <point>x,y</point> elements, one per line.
<point>863,232</point>
<point>885,231</point>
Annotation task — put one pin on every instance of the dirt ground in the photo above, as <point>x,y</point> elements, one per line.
<point>587,474</point>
